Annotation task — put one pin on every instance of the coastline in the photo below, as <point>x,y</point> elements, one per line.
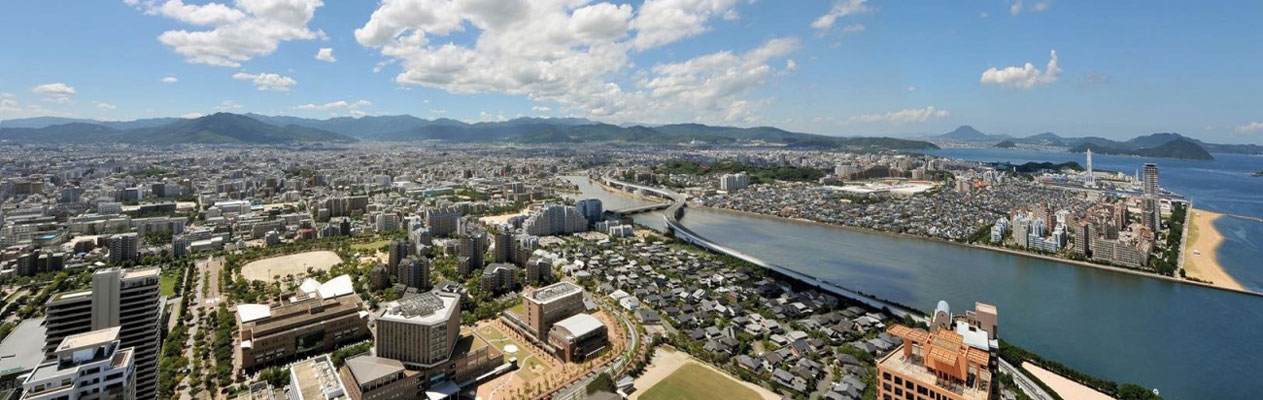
<point>1201,250</point>
<point>991,248</point>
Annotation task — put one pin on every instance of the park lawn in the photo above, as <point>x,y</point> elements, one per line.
<point>519,309</point>
<point>370,245</point>
<point>166,284</point>
<point>694,381</point>
<point>526,361</point>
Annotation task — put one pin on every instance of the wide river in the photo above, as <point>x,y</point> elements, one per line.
<point>1188,341</point>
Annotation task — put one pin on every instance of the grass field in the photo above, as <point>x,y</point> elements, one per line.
<point>693,381</point>
<point>370,245</point>
<point>529,367</point>
<point>166,284</point>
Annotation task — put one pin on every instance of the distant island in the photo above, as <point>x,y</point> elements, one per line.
<point>228,128</point>
<point>1163,145</point>
<point>1033,167</point>
<point>1179,148</point>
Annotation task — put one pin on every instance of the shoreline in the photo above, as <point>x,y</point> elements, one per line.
<point>1205,239</point>
<point>991,248</point>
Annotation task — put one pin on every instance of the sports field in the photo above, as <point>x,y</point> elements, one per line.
<point>293,264</point>
<point>693,381</point>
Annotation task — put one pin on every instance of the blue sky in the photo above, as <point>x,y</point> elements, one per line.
<point>845,67</point>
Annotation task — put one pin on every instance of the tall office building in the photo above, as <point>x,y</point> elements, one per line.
<point>733,182</point>
<point>442,222</point>
<point>124,247</point>
<point>471,248</point>
<point>1150,206</point>
<point>547,305</point>
<point>591,210</point>
<point>127,299</point>
<point>1151,180</point>
<point>419,331</point>
<point>502,246</point>
<point>414,272</point>
<point>1091,179</point>
<point>555,219</point>
<point>1083,238</point>
<point>398,250</point>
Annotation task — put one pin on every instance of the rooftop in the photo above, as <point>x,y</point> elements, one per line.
<point>555,291</point>
<point>427,308</point>
<point>580,324</point>
<point>368,368</point>
<point>88,339</point>
<point>316,379</point>
<point>22,349</point>
<point>913,367</point>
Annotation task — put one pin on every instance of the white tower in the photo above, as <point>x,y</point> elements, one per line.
<point>1091,181</point>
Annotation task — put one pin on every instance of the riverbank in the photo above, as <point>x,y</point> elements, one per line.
<point>1237,289</point>
<point>1201,260</point>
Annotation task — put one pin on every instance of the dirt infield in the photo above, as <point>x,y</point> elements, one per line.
<point>293,264</point>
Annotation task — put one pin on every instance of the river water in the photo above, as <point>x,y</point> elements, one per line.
<point>1190,342</point>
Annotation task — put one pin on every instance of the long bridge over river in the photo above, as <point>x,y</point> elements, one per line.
<point>675,211</point>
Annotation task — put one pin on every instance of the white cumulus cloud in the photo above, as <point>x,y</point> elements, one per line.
<point>1024,77</point>
<point>571,54</point>
<point>170,80</point>
<point>901,117</point>
<point>105,106</point>
<point>326,54</point>
<point>55,92</point>
<point>267,81</point>
<point>841,8</point>
<point>1019,7</point>
<point>56,88</point>
<point>237,32</point>
<point>664,21</point>
<point>340,104</point>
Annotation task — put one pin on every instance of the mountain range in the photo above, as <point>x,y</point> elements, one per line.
<point>1166,145</point>
<point>228,128</point>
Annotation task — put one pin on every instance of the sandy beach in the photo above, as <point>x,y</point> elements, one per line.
<point>1203,242</point>
<point>1065,388</point>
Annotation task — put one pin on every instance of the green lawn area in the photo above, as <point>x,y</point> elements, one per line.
<point>526,362</point>
<point>519,309</point>
<point>693,381</point>
<point>166,284</point>
<point>370,245</point>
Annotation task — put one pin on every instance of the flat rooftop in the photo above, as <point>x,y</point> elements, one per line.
<point>88,339</point>
<point>140,272</point>
<point>555,291</point>
<point>316,379</point>
<point>22,350</point>
<point>368,368</point>
<point>426,308</point>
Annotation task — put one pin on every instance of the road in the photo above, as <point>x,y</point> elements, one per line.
<point>208,268</point>
<point>1028,386</point>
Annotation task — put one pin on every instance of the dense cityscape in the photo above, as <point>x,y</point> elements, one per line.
<point>366,272</point>
<point>630,200</point>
